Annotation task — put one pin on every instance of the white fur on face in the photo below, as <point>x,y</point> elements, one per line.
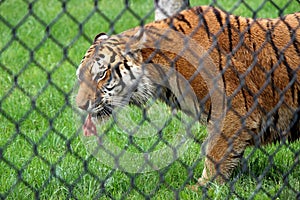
<point>95,70</point>
<point>98,69</point>
<point>78,72</point>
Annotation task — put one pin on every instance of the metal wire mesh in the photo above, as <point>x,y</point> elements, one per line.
<point>41,154</point>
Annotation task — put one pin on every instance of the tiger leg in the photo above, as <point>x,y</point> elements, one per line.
<point>223,152</point>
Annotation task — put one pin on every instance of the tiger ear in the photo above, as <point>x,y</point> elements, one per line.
<point>100,36</point>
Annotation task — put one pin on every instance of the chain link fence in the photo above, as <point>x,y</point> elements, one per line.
<point>43,151</point>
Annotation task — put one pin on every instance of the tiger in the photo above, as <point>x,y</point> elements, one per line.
<point>259,63</point>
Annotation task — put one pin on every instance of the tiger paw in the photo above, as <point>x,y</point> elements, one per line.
<point>194,188</point>
<point>201,183</point>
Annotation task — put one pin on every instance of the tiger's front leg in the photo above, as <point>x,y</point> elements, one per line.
<point>224,151</point>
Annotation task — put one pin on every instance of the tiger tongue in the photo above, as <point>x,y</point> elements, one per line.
<point>89,127</point>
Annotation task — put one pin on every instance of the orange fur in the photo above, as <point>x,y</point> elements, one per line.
<point>249,43</point>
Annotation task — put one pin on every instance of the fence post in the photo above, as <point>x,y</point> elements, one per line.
<point>166,8</point>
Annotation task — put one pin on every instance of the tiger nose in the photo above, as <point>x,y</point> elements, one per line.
<point>84,106</point>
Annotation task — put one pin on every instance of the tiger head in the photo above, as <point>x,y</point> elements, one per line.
<point>110,75</point>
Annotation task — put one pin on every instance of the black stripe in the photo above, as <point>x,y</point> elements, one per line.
<point>113,56</point>
<point>290,72</point>
<point>117,69</point>
<point>250,34</point>
<point>218,16</point>
<point>128,68</point>
<point>110,89</point>
<point>237,19</point>
<point>109,48</point>
<point>293,36</point>
<point>245,99</point>
<point>99,57</point>
<point>174,28</point>
<point>99,75</point>
<point>237,155</point>
<point>281,57</point>
<point>272,78</point>
<point>181,29</point>
<point>267,131</point>
<point>249,29</point>
<point>181,18</point>
<point>295,123</point>
<point>126,65</point>
<point>248,26</point>
<point>298,98</point>
<point>199,12</point>
<point>229,32</point>
<point>209,113</point>
<point>171,100</point>
<point>111,43</point>
<point>254,47</point>
<point>276,119</point>
<point>114,40</point>
<point>171,24</point>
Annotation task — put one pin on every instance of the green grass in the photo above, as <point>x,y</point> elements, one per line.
<point>41,153</point>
